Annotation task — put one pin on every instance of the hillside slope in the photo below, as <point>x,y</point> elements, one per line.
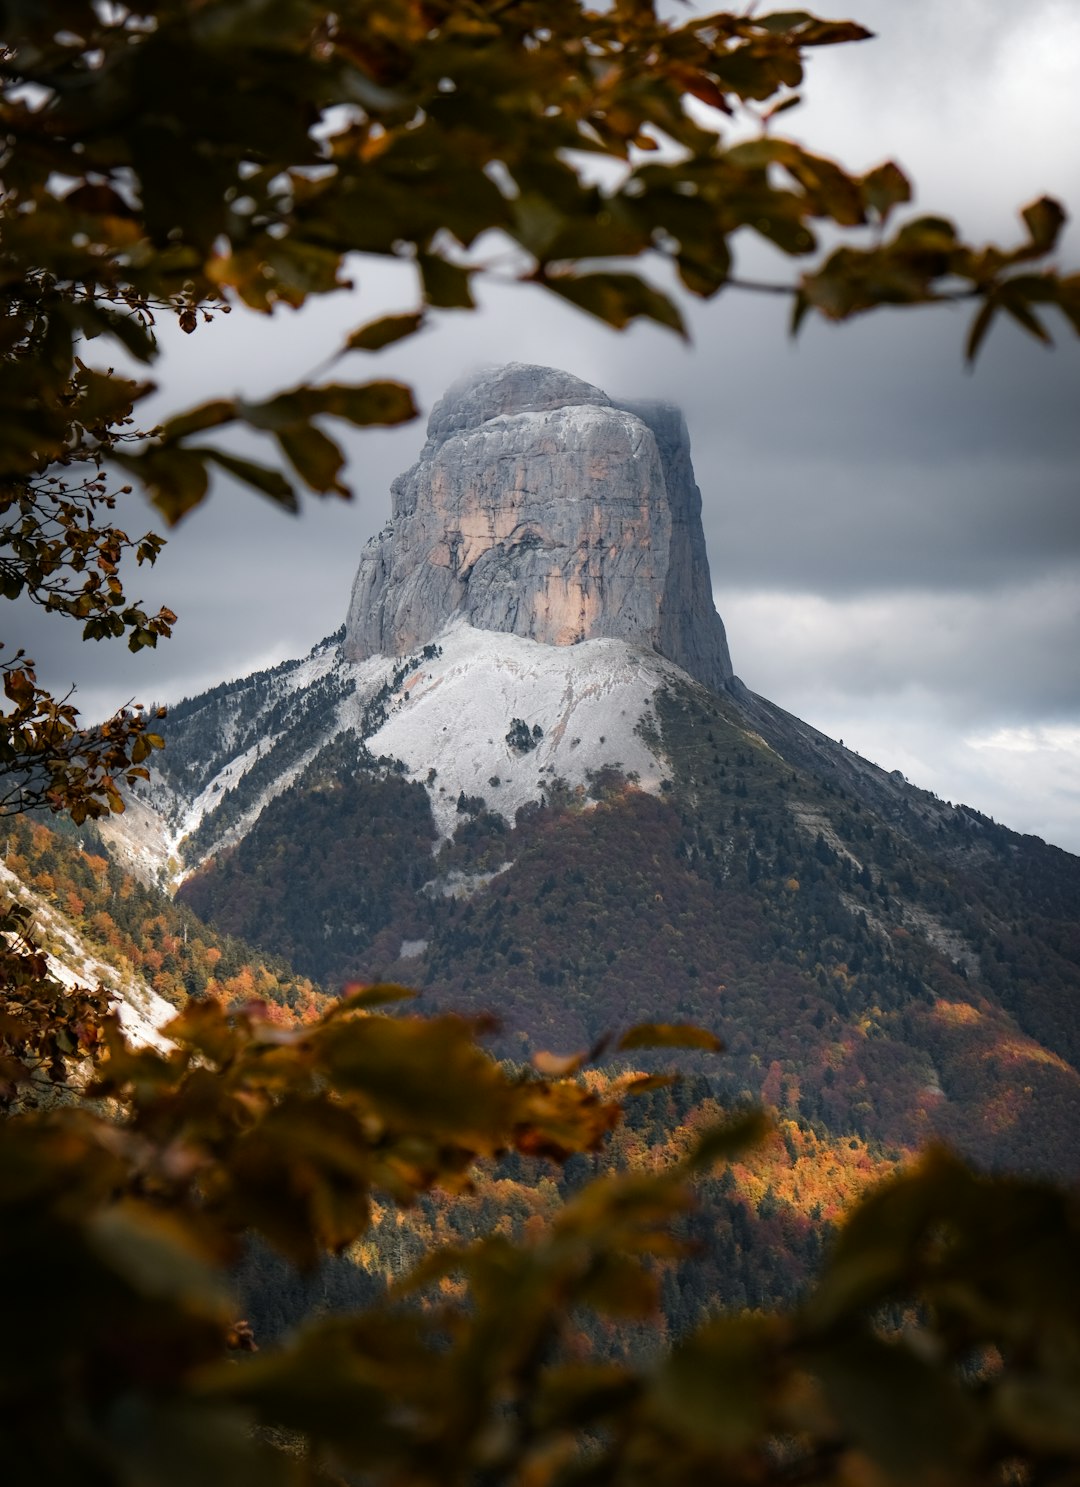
<point>878,961</point>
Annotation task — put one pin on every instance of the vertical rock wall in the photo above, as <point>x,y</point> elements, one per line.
<point>540,508</point>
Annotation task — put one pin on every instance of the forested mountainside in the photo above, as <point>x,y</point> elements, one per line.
<point>502,785</point>
<point>758,1231</point>
<point>137,930</point>
<point>881,964</point>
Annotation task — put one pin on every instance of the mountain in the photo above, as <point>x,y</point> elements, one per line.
<point>525,779</point>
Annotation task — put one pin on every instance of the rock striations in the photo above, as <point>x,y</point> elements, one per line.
<point>541,508</point>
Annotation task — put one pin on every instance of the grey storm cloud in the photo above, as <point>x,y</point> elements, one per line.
<point>991,659</point>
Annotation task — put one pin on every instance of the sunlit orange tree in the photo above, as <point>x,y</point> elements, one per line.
<point>177,159</point>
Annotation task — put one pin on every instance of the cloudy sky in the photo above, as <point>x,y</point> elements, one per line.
<point>894,542</point>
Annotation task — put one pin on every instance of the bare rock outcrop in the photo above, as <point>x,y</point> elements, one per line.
<point>540,507</point>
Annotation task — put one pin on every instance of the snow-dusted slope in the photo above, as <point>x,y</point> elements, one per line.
<point>507,630</point>
<point>452,715</point>
<point>229,753</point>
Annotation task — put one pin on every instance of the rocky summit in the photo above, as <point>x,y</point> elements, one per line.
<point>540,507</point>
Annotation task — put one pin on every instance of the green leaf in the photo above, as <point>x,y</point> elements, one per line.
<point>642,1084</point>
<point>908,1416</point>
<point>782,107</point>
<point>384,332</point>
<point>778,218</point>
<point>105,397</point>
<point>135,337</point>
<point>617,299</point>
<point>704,276</point>
<point>263,478</point>
<point>96,319</point>
<point>756,154</point>
<point>1044,220</point>
<point>446,285</point>
<point>979,327</point>
<point>879,1250</point>
<point>715,1387</point>
<point>1014,302</point>
<point>576,1394</point>
<point>557,1065</point>
<point>208,416</point>
<point>370,403</point>
<point>174,1442</point>
<point>927,234</point>
<point>754,72</point>
<point>301,269</point>
<point>314,456</point>
<point>1067,299</point>
<point>618,1286</point>
<point>885,187</point>
<point>1037,289</point>
<point>809,30</point>
<point>669,1035</point>
<point>722,1142</point>
<point>352,999</point>
<point>834,33</point>
<point>1043,1413</point>
<point>783,20</point>
<point>176,478</point>
<point>156,1255</point>
<point>302,1176</point>
<point>537,221</point>
<point>832,192</point>
<point>799,310</point>
<point>320,1384</point>
<point>422,1074</point>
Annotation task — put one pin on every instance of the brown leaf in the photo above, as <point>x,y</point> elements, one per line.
<point>384,331</point>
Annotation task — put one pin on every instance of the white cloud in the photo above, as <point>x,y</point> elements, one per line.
<point>946,688</point>
<point>971,95</point>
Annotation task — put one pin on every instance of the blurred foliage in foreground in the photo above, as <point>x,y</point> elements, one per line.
<point>941,1343</point>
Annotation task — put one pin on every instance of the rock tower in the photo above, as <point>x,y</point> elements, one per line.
<point>542,508</point>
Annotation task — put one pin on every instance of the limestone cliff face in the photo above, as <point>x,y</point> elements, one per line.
<point>541,508</point>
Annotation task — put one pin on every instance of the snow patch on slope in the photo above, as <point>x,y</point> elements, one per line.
<point>147,838</point>
<point>450,720</point>
<point>319,663</point>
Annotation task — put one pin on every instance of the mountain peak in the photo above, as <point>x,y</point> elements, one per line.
<point>516,387</point>
<point>540,507</point>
